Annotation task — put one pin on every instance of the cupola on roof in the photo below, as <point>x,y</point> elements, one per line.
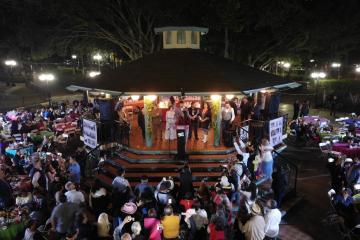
<point>181,37</point>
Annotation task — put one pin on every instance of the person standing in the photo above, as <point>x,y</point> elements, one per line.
<point>245,109</point>
<point>205,119</point>
<point>62,217</point>
<point>228,116</point>
<point>254,228</point>
<point>333,103</point>
<point>6,196</point>
<point>120,183</point>
<point>267,158</point>
<point>170,129</point>
<point>272,220</point>
<point>156,123</point>
<point>305,108</point>
<point>141,121</point>
<point>279,184</point>
<point>170,223</point>
<point>296,109</point>
<point>74,171</point>
<point>38,177</point>
<point>185,178</point>
<point>73,195</point>
<point>183,118</point>
<point>194,121</point>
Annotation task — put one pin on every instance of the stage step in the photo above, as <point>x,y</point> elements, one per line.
<point>149,158</point>
<point>127,165</point>
<point>156,166</point>
<point>165,151</point>
<point>156,174</point>
<point>107,181</point>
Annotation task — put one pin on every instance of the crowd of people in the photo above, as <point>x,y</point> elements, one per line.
<point>345,177</point>
<point>50,192</point>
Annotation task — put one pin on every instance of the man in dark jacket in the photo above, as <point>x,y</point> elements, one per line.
<point>186,185</point>
<point>279,184</point>
<point>6,198</point>
<point>194,121</point>
<point>141,121</point>
<point>296,109</point>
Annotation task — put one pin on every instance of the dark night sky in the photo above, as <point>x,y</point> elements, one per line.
<point>298,29</point>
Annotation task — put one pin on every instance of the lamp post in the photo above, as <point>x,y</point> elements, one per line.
<point>337,66</point>
<point>10,63</point>
<point>316,76</point>
<point>74,57</point>
<point>284,65</point>
<point>357,71</point>
<point>46,77</point>
<point>98,58</point>
<point>93,74</point>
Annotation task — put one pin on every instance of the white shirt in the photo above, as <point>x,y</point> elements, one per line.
<point>75,196</point>
<point>272,221</point>
<point>266,152</point>
<point>192,211</point>
<point>253,228</point>
<point>228,114</point>
<point>244,154</point>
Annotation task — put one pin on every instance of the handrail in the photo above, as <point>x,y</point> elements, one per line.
<point>294,191</point>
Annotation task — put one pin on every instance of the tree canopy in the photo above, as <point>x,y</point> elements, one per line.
<point>252,32</point>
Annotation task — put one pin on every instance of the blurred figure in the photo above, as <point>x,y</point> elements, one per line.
<point>296,109</point>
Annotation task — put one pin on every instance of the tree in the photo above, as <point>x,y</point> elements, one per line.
<point>126,24</point>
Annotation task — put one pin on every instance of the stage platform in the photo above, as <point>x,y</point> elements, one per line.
<point>205,160</point>
<point>162,146</point>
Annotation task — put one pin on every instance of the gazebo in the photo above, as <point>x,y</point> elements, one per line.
<point>181,69</point>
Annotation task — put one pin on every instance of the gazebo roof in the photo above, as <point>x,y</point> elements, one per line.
<point>187,70</point>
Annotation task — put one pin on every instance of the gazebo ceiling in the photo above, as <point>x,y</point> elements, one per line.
<point>193,71</point>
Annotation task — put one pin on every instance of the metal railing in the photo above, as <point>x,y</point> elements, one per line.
<point>290,170</point>
<point>256,130</point>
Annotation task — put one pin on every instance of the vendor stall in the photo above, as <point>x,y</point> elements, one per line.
<point>350,151</point>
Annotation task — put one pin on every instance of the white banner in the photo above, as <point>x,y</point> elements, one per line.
<point>90,133</point>
<point>276,131</point>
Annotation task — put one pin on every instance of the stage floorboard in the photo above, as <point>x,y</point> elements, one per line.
<point>165,146</point>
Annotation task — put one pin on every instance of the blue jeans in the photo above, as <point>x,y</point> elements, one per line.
<point>267,169</point>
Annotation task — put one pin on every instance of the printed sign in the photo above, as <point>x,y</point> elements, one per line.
<point>90,133</point>
<point>276,131</point>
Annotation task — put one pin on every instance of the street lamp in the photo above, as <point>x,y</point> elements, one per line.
<point>93,74</point>
<point>74,57</point>
<point>286,65</point>
<point>10,63</point>
<point>46,77</point>
<point>98,58</point>
<point>316,76</point>
<point>337,66</point>
<point>357,69</point>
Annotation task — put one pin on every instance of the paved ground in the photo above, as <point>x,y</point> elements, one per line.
<point>305,221</point>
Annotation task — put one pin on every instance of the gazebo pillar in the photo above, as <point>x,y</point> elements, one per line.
<point>148,106</point>
<point>216,118</point>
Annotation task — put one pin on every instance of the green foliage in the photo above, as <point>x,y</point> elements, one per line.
<point>148,106</point>
<point>216,120</point>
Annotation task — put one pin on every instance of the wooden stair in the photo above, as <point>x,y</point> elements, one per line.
<point>157,166</point>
